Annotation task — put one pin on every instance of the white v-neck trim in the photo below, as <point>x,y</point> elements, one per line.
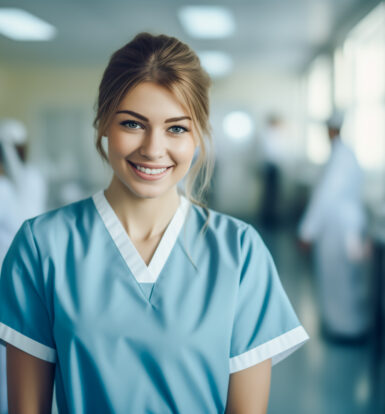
<point>137,266</point>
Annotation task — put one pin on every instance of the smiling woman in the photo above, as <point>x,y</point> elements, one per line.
<point>172,65</point>
<point>139,299</point>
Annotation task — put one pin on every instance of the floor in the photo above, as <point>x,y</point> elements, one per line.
<point>323,376</point>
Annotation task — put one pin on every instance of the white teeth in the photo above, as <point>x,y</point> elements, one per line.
<point>150,170</point>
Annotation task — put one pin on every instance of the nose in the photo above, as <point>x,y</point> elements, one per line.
<point>153,145</point>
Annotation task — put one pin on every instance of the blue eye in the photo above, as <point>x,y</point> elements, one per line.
<point>176,129</point>
<point>131,124</point>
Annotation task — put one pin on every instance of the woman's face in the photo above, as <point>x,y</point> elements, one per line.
<point>150,141</point>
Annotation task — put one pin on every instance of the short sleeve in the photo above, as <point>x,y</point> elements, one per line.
<point>265,324</point>
<point>24,318</point>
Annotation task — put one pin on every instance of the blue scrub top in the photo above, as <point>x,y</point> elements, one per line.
<point>127,337</point>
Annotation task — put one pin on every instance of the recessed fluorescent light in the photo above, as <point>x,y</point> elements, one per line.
<point>216,63</point>
<point>18,24</point>
<point>207,21</point>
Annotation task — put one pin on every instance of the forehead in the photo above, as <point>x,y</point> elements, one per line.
<point>150,99</point>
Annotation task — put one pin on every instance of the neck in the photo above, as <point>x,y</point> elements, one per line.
<point>142,218</point>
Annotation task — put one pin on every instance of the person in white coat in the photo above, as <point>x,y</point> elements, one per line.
<point>274,154</point>
<point>22,195</point>
<point>335,223</point>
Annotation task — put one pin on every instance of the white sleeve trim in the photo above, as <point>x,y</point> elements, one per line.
<point>26,344</point>
<point>277,349</point>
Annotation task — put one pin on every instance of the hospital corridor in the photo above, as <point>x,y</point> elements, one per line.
<point>192,195</point>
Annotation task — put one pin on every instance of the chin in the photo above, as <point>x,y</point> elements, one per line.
<point>148,194</point>
<point>143,191</point>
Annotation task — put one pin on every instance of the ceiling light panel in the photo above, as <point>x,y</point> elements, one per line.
<point>18,24</point>
<point>207,22</point>
<point>216,63</point>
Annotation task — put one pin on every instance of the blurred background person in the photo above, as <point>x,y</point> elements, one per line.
<point>28,185</point>
<point>335,222</point>
<point>23,194</point>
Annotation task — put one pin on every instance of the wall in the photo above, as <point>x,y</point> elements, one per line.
<point>36,95</point>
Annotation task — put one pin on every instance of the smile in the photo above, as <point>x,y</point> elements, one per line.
<point>149,173</point>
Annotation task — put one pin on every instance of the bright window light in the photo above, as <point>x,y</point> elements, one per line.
<point>216,63</point>
<point>207,21</point>
<point>319,89</point>
<point>343,79</point>
<point>18,24</point>
<point>238,125</point>
<point>368,131</point>
<point>361,86</point>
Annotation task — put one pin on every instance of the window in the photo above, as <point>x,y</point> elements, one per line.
<point>359,78</point>
<point>319,107</point>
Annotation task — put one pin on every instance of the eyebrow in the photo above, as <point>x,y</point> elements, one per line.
<point>143,118</point>
<point>178,118</point>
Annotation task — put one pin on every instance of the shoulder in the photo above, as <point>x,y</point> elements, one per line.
<point>7,192</point>
<point>6,187</point>
<point>227,232</point>
<point>47,237</point>
<point>56,222</point>
<point>218,222</point>
<point>345,152</point>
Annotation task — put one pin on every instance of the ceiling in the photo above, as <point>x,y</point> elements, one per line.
<point>277,33</point>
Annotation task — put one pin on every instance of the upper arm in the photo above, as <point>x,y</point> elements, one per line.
<point>264,325</point>
<point>265,330</point>
<point>248,391</point>
<point>26,314</point>
<point>26,327</point>
<point>30,383</point>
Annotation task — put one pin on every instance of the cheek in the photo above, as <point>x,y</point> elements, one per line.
<point>118,145</point>
<point>184,150</point>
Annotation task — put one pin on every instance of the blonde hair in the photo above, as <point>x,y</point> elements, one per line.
<point>172,64</point>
